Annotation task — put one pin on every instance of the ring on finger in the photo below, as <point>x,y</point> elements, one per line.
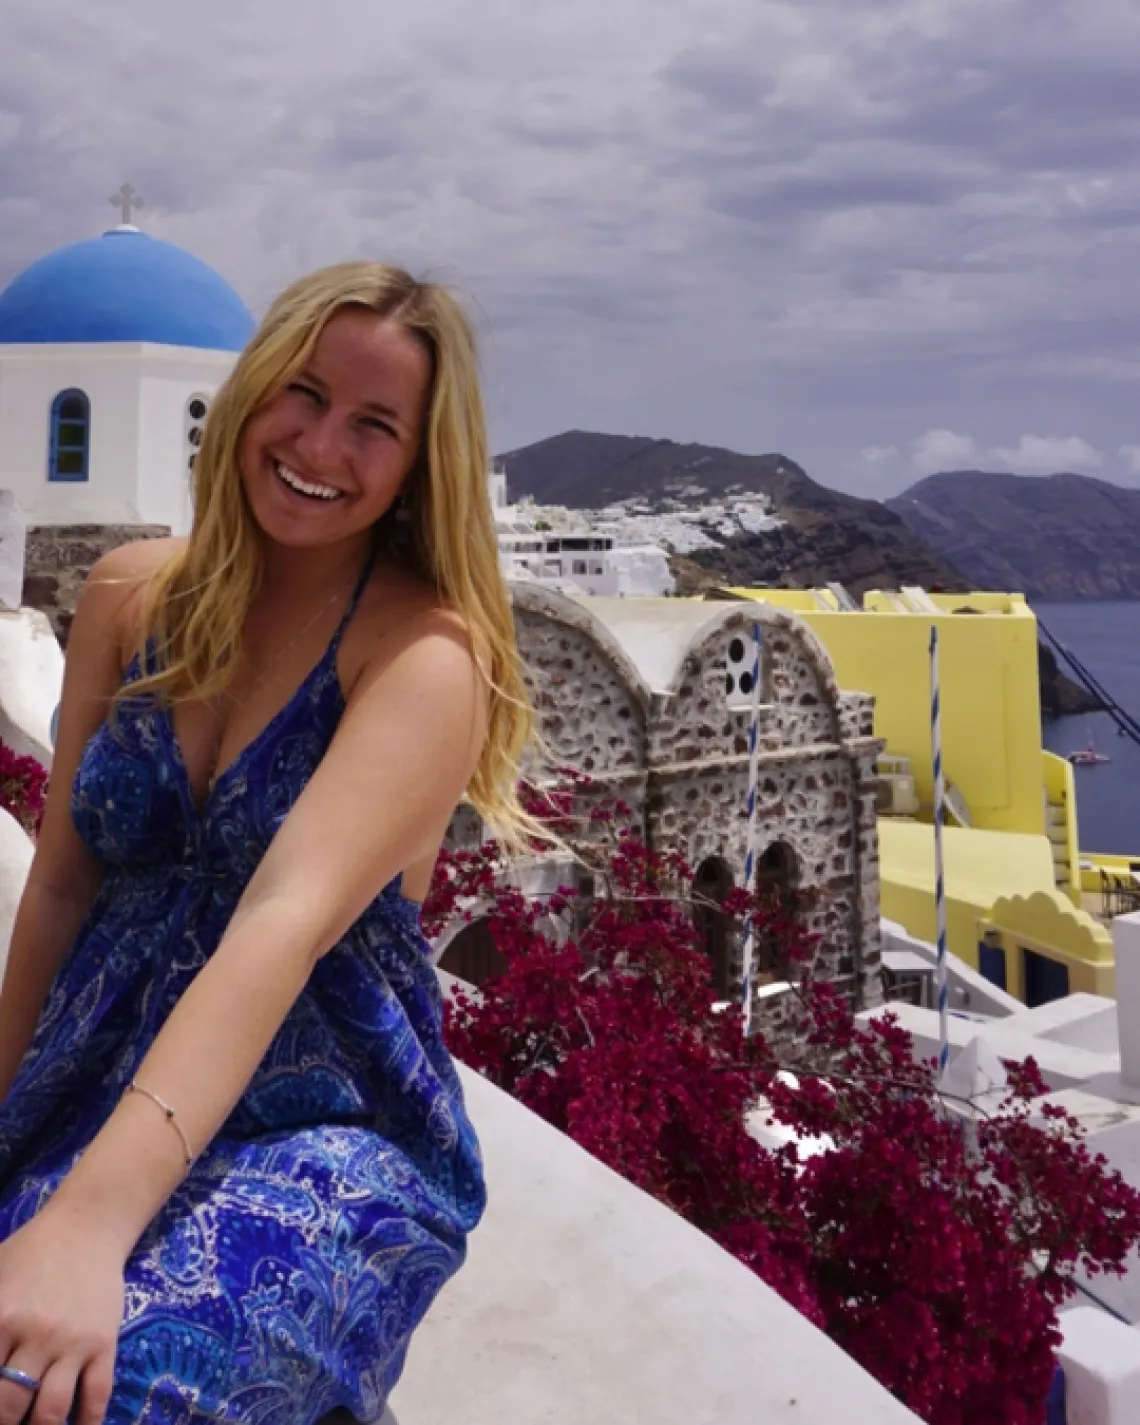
<point>19,1378</point>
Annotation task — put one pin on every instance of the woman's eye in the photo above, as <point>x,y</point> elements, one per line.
<point>302,390</point>
<point>380,425</point>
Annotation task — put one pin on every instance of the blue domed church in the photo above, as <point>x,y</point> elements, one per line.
<point>111,351</point>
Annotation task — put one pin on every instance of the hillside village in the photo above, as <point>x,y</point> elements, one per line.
<point>680,523</point>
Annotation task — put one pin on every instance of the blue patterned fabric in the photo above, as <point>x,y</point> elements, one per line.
<point>286,1274</point>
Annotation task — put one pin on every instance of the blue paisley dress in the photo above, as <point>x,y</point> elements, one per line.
<point>286,1274</point>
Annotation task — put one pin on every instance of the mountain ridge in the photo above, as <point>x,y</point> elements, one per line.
<point>825,535</point>
<point>1061,536</point>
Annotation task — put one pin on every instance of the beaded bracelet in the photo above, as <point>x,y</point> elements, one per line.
<point>168,1114</point>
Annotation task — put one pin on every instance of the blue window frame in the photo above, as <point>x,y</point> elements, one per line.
<point>1045,979</point>
<point>991,963</point>
<point>70,449</point>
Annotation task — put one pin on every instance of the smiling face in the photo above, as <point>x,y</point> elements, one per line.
<point>326,457</point>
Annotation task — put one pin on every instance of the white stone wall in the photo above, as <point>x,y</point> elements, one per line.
<point>1101,1360</point>
<point>16,851</point>
<point>585,1301</point>
<point>31,683</point>
<point>164,491</point>
<point>30,379</point>
<point>137,395</point>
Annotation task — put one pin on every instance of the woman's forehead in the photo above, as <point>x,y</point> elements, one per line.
<point>371,359</point>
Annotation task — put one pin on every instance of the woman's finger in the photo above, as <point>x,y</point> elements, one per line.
<point>16,1399</point>
<point>95,1383</point>
<point>56,1394</point>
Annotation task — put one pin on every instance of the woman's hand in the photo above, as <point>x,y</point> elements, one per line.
<point>61,1306</point>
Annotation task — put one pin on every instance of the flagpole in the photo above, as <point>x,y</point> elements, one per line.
<point>939,864</point>
<point>750,843</point>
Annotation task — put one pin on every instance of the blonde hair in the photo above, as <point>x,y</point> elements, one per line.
<point>196,604</point>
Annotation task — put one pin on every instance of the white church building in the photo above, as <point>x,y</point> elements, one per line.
<point>111,350</point>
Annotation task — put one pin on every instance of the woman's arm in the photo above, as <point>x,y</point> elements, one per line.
<point>380,800</point>
<point>64,875</point>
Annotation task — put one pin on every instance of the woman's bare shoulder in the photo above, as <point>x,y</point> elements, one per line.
<point>133,563</point>
<point>112,594</point>
<point>398,608</point>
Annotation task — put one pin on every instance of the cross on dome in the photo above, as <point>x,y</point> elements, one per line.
<point>126,199</point>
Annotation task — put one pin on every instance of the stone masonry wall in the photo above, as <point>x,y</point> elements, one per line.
<point>679,757</point>
<point>693,720</point>
<point>816,764</point>
<point>59,559</point>
<point>589,716</point>
<point>856,715</point>
<point>810,805</point>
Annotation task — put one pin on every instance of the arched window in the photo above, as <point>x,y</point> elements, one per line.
<point>777,882</point>
<point>70,446</point>
<point>711,883</point>
<point>473,955</point>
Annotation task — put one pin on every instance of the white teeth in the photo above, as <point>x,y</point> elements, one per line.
<point>294,481</point>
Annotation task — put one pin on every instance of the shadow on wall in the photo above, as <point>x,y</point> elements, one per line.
<point>473,956</point>
<point>777,887</point>
<point>712,881</point>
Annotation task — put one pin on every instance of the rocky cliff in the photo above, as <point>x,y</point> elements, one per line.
<point>1062,537</point>
<point>824,535</point>
<point>1060,696</point>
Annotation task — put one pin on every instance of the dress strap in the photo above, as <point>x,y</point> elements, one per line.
<point>357,593</point>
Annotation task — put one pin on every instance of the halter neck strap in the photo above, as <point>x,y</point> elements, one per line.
<point>357,593</point>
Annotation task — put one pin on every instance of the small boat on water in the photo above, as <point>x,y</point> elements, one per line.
<point>1088,756</point>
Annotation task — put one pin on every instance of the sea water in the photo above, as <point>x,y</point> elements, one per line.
<point>1105,636</point>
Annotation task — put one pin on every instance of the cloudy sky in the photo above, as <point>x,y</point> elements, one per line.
<point>881,236</point>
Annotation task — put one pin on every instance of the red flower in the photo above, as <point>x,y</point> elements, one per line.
<point>23,788</point>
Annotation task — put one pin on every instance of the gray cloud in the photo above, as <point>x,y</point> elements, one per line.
<point>807,225</point>
<point>867,185</point>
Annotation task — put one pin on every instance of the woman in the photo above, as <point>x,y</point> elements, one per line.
<point>233,1149</point>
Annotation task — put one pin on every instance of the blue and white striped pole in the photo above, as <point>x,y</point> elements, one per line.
<point>939,868</point>
<point>750,842</point>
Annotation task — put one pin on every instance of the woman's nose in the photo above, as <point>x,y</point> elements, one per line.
<point>321,443</point>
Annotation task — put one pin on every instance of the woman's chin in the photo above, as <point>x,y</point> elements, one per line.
<point>288,522</point>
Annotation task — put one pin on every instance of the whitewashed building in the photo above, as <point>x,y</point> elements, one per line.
<point>111,350</point>
<point>563,550</point>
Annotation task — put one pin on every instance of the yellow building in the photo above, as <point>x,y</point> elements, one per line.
<point>1019,903</point>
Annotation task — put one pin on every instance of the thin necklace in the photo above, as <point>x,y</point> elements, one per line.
<point>258,680</point>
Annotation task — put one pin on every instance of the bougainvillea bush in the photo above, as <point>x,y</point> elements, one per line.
<point>937,1262</point>
<point>23,788</point>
